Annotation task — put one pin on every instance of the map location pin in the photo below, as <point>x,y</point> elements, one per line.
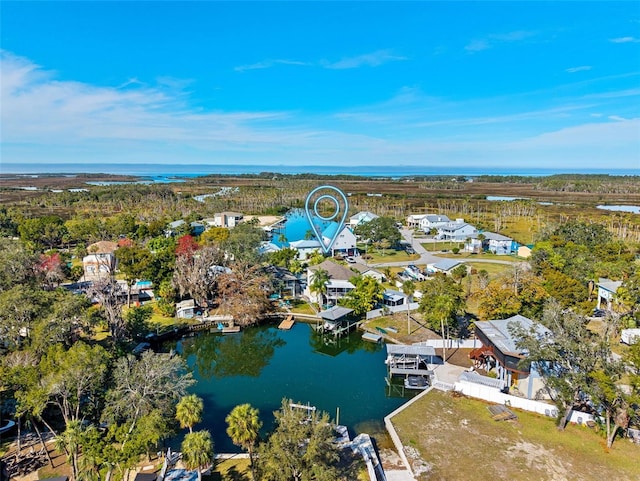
<point>326,205</point>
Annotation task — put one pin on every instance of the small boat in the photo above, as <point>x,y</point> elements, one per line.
<point>416,382</point>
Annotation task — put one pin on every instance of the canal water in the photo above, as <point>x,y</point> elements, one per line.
<point>262,365</point>
<point>296,227</point>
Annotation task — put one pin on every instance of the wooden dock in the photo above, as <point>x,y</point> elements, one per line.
<point>231,330</point>
<point>287,323</point>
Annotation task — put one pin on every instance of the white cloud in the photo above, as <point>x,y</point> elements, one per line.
<point>45,119</point>
<point>373,59</point>
<point>625,40</point>
<point>582,68</point>
<point>268,64</point>
<point>490,41</point>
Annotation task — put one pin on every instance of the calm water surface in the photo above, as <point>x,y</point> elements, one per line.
<point>262,365</point>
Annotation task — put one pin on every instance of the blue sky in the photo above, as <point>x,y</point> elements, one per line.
<point>531,84</point>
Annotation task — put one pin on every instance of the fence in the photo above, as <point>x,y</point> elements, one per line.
<point>494,395</point>
<point>391,310</point>
<point>450,343</point>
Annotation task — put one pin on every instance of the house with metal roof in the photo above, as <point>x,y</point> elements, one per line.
<point>607,293</point>
<point>500,352</point>
<point>456,231</point>
<point>345,240</point>
<point>444,265</point>
<point>306,247</point>
<point>336,288</point>
<point>433,221</point>
<point>361,217</point>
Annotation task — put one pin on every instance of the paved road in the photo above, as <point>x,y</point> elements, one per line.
<point>426,257</point>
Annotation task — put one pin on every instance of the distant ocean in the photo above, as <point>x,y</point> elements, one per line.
<point>196,170</point>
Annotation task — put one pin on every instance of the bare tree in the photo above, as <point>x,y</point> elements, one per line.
<point>108,294</point>
<point>196,275</point>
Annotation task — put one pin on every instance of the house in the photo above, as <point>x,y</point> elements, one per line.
<point>337,287</point>
<point>497,243</point>
<point>393,298</point>
<point>174,227</point>
<point>361,217</point>
<point>101,260</point>
<point>607,293</point>
<point>413,220</point>
<point>306,247</point>
<point>345,241</point>
<point>499,352</point>
<point>367,271</point>
<point>186,309</point>
<point>444,265</point>
<point>197,228</point>
<point>456,231</point>
<point>285,283</point>
<point>267,247</point>
<point>433,221</point>
<point>227,219</point>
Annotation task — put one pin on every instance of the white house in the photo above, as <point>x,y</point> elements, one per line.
<point>361,217</point>
<point>367,271</point>
<point>101,260</point>
<point>433,221</point>
<point>413,220</point>
<point>456,231</point>
<point>337,287</point>
<point>186,309</point>
<point>498,243</point>
<point>306,247</point>
<point>607,293</point>
<point>444,265</point>
<point>345,242</point>
<point>227,219</point>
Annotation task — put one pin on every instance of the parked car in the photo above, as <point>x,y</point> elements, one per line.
<point>599,313</point>
<point>350,259</point>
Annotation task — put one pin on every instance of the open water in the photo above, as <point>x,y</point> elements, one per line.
<point>263,365</point>
<point>164,171</point>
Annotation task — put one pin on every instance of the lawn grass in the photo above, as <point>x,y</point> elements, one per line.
<point>451,437</point>
<point>492,269</point>
<point>236,469</point>
<point>390,255</point>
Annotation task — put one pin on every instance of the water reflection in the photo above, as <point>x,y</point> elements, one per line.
<point>221,356</point>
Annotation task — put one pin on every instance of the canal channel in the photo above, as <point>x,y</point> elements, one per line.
<point>262,365</point>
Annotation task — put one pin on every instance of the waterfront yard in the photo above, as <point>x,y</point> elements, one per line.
<point>447,437</point>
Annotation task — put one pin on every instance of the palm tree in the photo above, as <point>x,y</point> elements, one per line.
<point>319,283</point>
<point>243,428</point>
<point>189,411</point>
<point>69,442</point>
<point>197,450</point>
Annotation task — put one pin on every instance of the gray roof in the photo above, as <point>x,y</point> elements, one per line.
<point>336,271</point>
<point>335,313</point>
<point>176,223</point>
<point>305,244</point>
<point>437,218</point>
<point>453,226</point>
<point>446,264</point>
<point>496,237</point>
<point>476,378</point>
<point>363,215</point>
<point>609,285</point>
<point>411,350</point>
<point>497,331</point>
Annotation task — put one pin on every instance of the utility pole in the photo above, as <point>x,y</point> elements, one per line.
<point>444,349</point>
